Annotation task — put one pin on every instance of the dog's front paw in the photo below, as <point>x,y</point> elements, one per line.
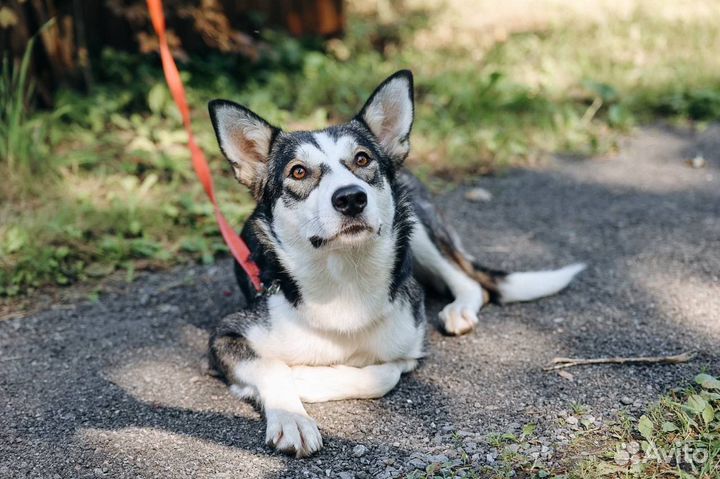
<point>458,318</point>
<point>292,433</point>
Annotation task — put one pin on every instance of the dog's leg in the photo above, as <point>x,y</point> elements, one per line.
<point>267,381</point>
<point>442,262</point>
<point>270,382</point>
<point>460,316</point>
<point>335,383</point>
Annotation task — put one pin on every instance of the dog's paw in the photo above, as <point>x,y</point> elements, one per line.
<point>292,433</point>
<point>458,318</point>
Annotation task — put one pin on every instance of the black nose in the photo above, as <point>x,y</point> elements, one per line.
<point>349,200</point>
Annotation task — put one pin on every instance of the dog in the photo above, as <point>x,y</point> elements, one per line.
<point>344,237</point>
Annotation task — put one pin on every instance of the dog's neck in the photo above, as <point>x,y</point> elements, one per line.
<point>344,289</point>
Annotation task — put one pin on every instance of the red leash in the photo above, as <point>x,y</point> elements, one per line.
<point>237,246</point>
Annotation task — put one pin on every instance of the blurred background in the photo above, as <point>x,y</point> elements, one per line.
<point>96,174</point>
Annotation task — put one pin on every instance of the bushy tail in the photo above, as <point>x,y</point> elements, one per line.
<point>536,284</point>
<point>525,286</point>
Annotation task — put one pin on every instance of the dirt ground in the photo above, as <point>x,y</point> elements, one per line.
<point>112,388</point>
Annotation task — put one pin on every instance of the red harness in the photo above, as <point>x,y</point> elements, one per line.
<point>237,246</point>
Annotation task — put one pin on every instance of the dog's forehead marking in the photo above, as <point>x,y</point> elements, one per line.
<point>327,150</point>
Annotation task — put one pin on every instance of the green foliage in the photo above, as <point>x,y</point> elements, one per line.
<point>677,437</point>
<point>23,142</point>
<point>123,195</point>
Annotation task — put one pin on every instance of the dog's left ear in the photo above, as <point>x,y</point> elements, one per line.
<point>389,114</point>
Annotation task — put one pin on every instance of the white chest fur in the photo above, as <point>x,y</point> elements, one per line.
<point>288,337</point>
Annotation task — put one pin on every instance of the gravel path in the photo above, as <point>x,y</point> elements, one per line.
<point>112,388</point>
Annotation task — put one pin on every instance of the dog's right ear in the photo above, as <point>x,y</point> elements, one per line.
<point>245,140</point>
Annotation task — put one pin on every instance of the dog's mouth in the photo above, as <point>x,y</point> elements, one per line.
<point>347,232</point>
<point>353,229</point>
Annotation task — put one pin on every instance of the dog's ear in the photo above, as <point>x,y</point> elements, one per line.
<point>389,114</point>
<point>245,140</point>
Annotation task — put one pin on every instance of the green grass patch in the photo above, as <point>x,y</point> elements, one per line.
<point>107,182</point>
<point>678,437</point>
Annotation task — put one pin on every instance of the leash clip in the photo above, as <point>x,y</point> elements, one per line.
<point>273,289</point>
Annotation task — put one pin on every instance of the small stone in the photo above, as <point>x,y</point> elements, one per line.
<point>697,162</point>
<point>633,447</point>
<point>622,457</point>
<point>168,308</point>
<point>346,475</point>
<point>476,195</point>
<point>572,420</point>
<point>359,450</point>
<point>626,400</point>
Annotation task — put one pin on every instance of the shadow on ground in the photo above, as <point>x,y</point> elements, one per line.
<point>114,389</point>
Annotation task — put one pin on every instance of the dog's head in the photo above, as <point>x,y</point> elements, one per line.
<point>332,186</point>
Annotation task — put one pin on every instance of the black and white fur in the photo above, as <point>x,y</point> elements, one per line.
<point>338,227</point>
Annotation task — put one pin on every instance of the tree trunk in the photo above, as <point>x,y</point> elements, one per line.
<point>80,29</point>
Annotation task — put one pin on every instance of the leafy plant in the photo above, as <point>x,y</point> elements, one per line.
<point>568,88</point>
<point>678,437</point>
<point>22,137</point>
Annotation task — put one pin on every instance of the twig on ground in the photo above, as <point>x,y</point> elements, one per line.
<point>12,358</point>
<point>560,363</point>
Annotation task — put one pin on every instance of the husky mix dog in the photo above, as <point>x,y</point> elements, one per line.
<point>344,237</point>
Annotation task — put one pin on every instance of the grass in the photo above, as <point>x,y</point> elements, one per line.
<point>678,437</point>
<point>110,186</point>
<point>23,140</point>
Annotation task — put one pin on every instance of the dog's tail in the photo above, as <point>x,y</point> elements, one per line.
<point>503,287</point>
<point>527,286</point>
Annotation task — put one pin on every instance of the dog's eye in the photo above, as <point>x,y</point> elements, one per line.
<point>362,159</point>
<point>298,172</point>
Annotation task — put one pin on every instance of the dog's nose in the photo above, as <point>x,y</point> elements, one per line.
<point>350,200</point>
